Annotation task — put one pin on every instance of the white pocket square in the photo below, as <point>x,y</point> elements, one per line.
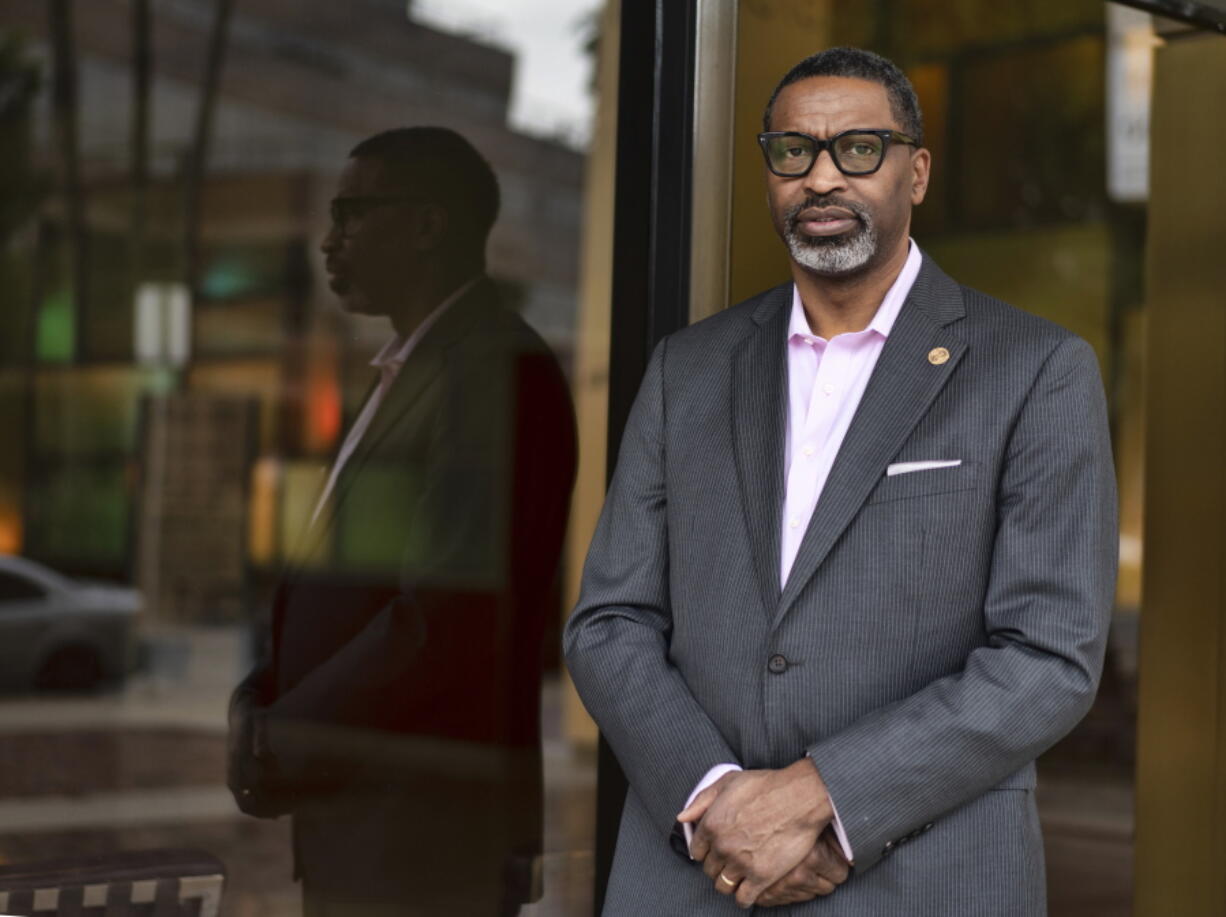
<point>908,467</point>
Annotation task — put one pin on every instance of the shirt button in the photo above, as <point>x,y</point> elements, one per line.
<point>828,389</point>
<point>808,450</point>
<point>777,665</point>
<point>794,523</point>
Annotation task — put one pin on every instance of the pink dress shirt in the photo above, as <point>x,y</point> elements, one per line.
<point>826,380</point>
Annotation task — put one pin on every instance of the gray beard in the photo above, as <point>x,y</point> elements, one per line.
<point>833,256</point>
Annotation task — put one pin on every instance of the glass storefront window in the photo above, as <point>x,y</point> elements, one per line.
<point>181,367</point>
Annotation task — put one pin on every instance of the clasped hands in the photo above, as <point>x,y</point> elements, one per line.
<point>764,836</point>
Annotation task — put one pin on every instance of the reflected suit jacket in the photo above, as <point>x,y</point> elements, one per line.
<point>401,690</point>
<point>939,629</point>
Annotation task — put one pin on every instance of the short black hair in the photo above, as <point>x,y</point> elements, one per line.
<point>861,65</point>
<point>444,167</point>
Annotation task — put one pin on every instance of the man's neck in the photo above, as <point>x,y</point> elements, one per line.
<point>838,305</point>
<point>420,302</point>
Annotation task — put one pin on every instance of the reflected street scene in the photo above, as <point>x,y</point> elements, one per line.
<point>290,310</point>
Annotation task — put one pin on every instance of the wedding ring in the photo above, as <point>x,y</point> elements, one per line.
<point>723,878</point>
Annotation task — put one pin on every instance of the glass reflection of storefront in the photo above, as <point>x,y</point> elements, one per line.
<point>176,376</point>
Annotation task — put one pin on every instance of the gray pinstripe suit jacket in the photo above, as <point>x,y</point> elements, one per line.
<point>940,628</point>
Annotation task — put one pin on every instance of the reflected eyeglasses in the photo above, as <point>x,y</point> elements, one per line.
<point>347,212</point>
<point>791,154</point>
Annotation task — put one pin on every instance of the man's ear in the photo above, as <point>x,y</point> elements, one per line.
<point>430,223</point>
<point>921,169</point>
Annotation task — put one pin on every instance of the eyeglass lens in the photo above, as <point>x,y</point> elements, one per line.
<point>345,212</point>
<point>348,212</point>
<point>852,153</point>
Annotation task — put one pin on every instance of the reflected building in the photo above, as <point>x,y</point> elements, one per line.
<point>162,426</point>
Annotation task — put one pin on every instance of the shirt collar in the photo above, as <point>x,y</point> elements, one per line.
<point>886,314</point>
<point>396,351</point>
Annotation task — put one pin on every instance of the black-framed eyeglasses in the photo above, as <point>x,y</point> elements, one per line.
<point>791,154</point>
<point>347,212</point>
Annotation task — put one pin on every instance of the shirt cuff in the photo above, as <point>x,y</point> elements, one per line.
<point>840,835</point>
<point>709,778</point>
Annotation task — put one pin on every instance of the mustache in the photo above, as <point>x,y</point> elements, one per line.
<point>826,200</point>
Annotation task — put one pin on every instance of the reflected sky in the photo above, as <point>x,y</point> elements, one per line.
<point>552,72</point>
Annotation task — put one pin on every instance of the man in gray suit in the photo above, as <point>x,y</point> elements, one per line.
<point>856,565</point>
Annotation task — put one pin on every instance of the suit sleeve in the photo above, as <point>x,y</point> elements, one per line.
<point>1046,612</point>
<point>248,778</point>
<point>617,639</point>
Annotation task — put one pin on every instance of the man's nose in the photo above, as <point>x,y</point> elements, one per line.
<point>825,176</point>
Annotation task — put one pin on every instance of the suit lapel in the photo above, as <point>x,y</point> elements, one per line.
<point>903,385</point>
<point>307,539</point>
<point>422,368</point>
<point>759,388</point>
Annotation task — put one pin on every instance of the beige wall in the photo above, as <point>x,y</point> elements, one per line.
<point>591,377</point>
<point>1181,765</point>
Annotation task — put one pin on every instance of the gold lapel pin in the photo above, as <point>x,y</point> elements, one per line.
<point>938,355</point>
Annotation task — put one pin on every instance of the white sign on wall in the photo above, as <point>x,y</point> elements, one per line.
<point>1130,71</point>
<point>162,326</point>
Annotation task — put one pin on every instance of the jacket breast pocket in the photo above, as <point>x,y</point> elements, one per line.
<point>926,482</point>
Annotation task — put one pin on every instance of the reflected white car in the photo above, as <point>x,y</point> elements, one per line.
<point>60,634</point>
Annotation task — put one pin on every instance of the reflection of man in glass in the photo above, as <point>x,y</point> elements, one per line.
<point>396,716</point>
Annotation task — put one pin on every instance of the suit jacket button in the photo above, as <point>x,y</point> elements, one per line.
<point>777,665</point>
<point>927,827</point>
<point>888,849</point>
